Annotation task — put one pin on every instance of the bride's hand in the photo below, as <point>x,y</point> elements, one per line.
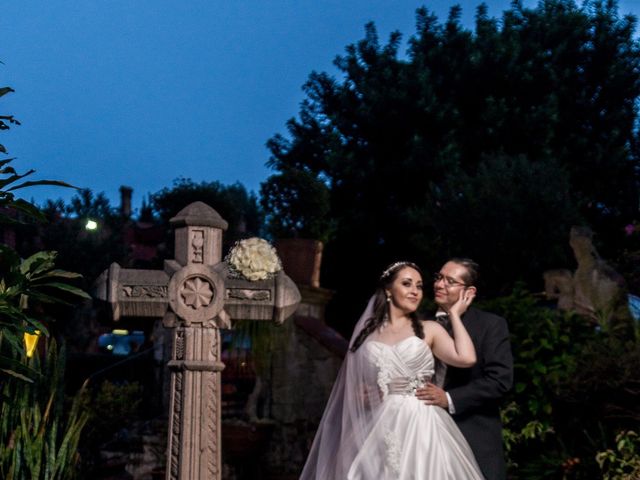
<point>463,302</point>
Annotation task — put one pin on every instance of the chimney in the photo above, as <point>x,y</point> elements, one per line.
<point>125,201</point>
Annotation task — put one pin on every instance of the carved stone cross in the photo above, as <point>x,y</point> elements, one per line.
<point>195,296</point>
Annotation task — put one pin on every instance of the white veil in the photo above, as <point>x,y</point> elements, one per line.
<point>349,414</point>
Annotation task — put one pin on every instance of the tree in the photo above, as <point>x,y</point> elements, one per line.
<point>237,206</point>
<point>490,142</point>
<point>300,203</point>
<point>81,249</point>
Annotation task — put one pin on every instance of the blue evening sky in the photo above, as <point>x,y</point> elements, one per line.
<point>141,92</point>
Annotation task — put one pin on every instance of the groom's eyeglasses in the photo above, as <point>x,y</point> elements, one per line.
<point>448,281</point>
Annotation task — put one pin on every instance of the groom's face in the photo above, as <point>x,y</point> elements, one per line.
<point>448,283</point>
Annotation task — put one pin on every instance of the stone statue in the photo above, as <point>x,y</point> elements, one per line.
<point>595,289</point>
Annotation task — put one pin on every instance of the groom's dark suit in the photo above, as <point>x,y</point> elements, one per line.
<point>476,392</point>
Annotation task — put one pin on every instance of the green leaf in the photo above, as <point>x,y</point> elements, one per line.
<point>33,324</point>
<point>13,178</point>
<point>13,340</point>
<point>541,368</point>
<point>15,374</point>
<point>59,273</point>
<point>13,313</point>
<point>67,288</point>
<point>35,183</point>
<point>42,297</point>
<point>5,90</point>
<point>4,162</point>
<point>38,262</point>
<point>19,366</point>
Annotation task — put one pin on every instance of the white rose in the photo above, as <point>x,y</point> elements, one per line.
<point>254,259</point>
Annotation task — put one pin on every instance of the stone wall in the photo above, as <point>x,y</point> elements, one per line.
<point>304,370</point>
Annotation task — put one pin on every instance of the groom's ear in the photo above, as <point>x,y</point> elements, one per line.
<point>472,292</point>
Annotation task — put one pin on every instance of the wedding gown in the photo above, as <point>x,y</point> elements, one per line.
<point>408,439</point>
<point>375,428</point>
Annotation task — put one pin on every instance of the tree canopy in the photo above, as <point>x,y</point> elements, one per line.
<point>489,143</point>
<point>233,202</point>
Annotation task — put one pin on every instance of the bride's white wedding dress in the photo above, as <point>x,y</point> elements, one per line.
<point>374,428</point>
<point>408,439</point>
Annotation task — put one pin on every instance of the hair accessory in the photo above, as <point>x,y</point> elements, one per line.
<point>392,268</point>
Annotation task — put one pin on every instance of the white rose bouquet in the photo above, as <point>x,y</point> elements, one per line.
<point>254,259</point>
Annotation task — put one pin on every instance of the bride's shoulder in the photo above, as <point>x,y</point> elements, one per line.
<point>429,323</point>
<point>430,327</point>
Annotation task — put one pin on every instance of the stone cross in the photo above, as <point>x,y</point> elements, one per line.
<point>196,296</point>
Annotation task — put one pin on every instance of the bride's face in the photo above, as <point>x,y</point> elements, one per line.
<point>406,290</point>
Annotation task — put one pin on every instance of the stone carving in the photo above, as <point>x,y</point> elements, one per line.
<point>197,242</point>
<point>174,459</point>
<point>193,296</point>
<point>151,291</point>
<point>188,295</point>
<point>212,427</point>
<point>179,347</point>
<point>249,294</point>
<point>595,289</point>
<point>197,292</point>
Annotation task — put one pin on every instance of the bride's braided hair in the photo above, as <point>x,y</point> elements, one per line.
<point>381,306</point>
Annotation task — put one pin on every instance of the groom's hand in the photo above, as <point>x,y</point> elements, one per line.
<point>433,395</point>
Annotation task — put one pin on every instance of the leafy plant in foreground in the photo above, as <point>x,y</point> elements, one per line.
<point>39,430</point>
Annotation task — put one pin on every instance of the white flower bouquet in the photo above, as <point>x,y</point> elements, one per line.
<point>253,259</point>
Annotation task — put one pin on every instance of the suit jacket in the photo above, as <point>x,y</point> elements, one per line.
<point>476,392</point>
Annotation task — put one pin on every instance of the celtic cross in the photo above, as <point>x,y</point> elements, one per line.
<point>196,296</point>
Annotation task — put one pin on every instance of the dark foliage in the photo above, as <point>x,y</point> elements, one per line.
<point>488,143</point>
<point>576,387</point>
<point>289,197</point>
<point>237,206</point>
<point>80,249</point>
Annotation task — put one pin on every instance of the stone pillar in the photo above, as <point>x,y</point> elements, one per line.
<point>196,294</point>
<point>125,201</point>
<point>194,451</point>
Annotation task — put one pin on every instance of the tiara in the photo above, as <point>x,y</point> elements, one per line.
<point>391,268</point>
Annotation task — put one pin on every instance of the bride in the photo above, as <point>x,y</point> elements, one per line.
<point>373,426</point>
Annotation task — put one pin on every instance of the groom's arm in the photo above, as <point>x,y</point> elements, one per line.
<point>497,370</point>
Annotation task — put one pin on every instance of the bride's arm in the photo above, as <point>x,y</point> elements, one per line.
<point>459,350</point>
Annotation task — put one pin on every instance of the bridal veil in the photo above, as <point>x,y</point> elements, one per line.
<point>349,415</point>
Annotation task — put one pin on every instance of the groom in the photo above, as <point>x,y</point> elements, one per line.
<point>473,395</point>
